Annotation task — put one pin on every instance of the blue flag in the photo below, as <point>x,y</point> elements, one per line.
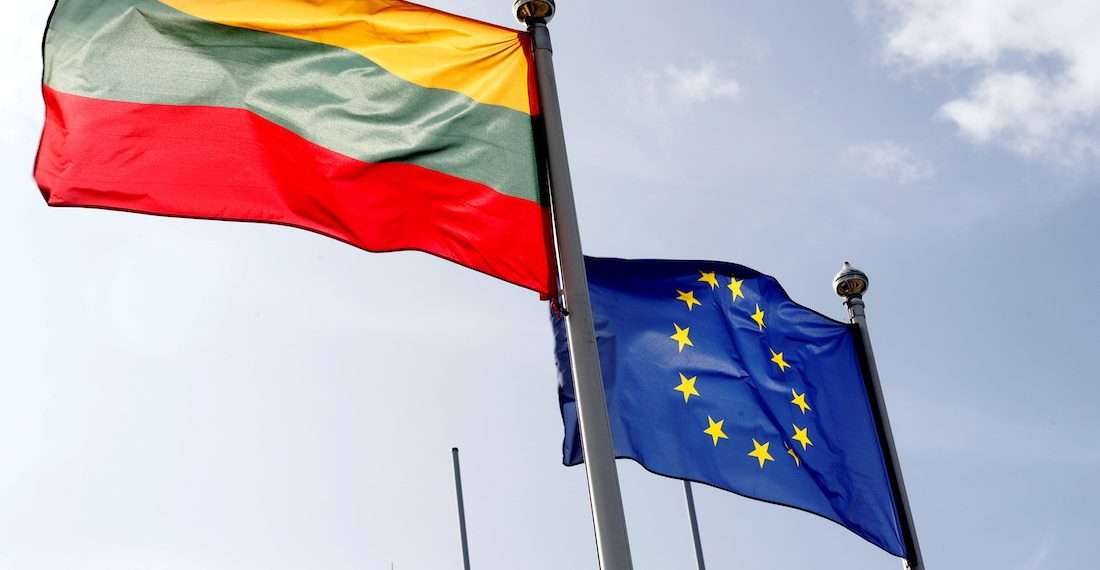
<point>714,375</point>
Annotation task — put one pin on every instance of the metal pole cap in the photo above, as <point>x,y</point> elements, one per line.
<point>531,11</point>
<point>850,282</point>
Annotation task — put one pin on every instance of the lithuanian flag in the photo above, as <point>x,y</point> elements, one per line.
<point>381,123</point>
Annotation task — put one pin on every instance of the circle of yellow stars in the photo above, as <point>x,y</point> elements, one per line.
<point>760,451</point>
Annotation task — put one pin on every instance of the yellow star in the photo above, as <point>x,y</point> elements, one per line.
<point>800,401</point>
<point>790,452</point>
<point>709,279</point>
<point>778,359</point>
<point>761,452</point>
<point>758,316</point>
<point>735,288</point>
<point>687,386</point>
<point>715,430</point>
<point>801,437</point>
<point>681,336</point>
<point>688,298</point>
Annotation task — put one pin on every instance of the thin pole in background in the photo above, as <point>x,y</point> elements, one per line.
<point>694,526</point>
<point>850,284</point>
<point>461,510</point>
<point>608,519</point>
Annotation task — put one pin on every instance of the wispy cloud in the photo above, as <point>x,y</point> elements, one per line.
<point>1039,556</point>
<point>658,93</point>
<point>700,83</point>
<point>1037,84</point>
<point>888,161</point>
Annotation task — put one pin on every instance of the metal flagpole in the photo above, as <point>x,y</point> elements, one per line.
<point>850,284</point>
<point>461,510</point>
<point>612,545</point>
<point>694,526</point>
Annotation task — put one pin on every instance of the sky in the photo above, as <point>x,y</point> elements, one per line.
<point>183,394</point>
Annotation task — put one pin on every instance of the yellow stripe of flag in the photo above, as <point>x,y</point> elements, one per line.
<point>421,45</point>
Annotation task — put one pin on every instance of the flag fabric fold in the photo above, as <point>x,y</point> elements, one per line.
<point>714,375</point>
<point>385,124</point>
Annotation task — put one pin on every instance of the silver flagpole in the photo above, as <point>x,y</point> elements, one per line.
<point>694,526</point>
<point>850,284</point>
<point>612,545</point>
<point>461,510</point>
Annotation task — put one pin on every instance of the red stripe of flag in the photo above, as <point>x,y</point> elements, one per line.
<point>230,164</point>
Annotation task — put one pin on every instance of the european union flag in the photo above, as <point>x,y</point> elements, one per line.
<point>714,375</point>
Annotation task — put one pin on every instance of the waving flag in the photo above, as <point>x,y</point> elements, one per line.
<point>714,375</point>
<point>381,123</point>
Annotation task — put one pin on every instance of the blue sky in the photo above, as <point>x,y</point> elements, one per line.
<point>181,394</point>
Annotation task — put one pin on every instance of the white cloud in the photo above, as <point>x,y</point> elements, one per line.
<point>888,161</point>
<point>701,83</point>
<point>656,94</point>
<point>1037,64</point>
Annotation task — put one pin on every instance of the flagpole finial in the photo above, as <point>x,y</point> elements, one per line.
<point>850,282</point>
<point>531,11</point>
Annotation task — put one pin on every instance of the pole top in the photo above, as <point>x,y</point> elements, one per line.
<point>531,11</point>
<point>850,282</point>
